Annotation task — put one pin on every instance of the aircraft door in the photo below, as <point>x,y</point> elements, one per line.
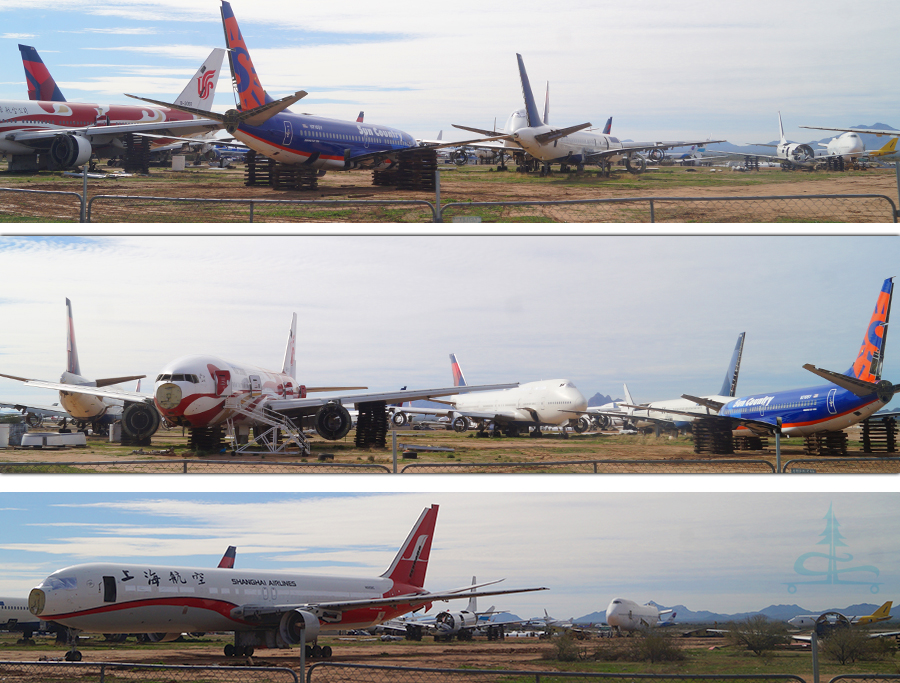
<point>832,409</point>
<point>288,134</point>
<point>109,589</point>
<point>255,385</point>
<point>223,379</point>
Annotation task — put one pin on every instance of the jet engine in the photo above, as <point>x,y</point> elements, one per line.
<point>399,418</point>
<point>34,420</point>
<point>581,424</point>
<point>67,151</point>
<point>452,623</point>
<point>140,420</point>
<point>636,164</point>
<point>656,154</point>
<point>298,627</point>
<point>602,421</point>
<point>460,424</point>
<point>333,421</point>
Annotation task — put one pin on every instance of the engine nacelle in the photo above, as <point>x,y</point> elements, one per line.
<point>449,623</point>
<point>636,164</point>
<point>67,151</point>
<point>581,425</point>
<point>656,154</point>
<point>34,420</point>
<point>140,420</point>
<point>460,424</point>
<point>333,421</point>
<point>298,627</point>
<point>399,418</point>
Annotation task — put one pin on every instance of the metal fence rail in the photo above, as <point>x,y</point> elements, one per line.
<point>108,208</point>
<point>333,672</point>
<point>709,466</point>
<point>32,205</point>
<point>864,678</point>
<point>188,466</point>
<point>89,672</point>
<point>842,465</point>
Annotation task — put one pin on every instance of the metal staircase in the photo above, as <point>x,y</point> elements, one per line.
<point>268,439</point>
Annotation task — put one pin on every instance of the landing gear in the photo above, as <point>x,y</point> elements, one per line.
<point>318,651</point>
<point>238,650</point>
<point>73,655</point>
<point>536,433</point>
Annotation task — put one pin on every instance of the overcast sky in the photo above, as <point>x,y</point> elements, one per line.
<point>726,552</point>
<point>662,69</point>
<point>661,314</point>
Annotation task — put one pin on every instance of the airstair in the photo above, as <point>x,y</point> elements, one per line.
<point>267,439</point>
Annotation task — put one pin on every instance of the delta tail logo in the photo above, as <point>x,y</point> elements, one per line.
<point>205,83</point>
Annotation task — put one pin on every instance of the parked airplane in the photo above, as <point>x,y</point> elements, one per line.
<point>627,615</point>
<point>850,397</point>
<point>554,402</point>
<point>14,616</point>
<point>35,415</point>
<point>265,609</point>
<point>800,155</point>
<point>139,419</point>
<point>573,145</point>
<point>883,613</point>
<point>57,134</point>
<point>203,393</point>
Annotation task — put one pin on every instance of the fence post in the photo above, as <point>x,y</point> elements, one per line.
<point>83,191</point>
<point>652,216</point>
<point>394,445</point>
<point>251,210</point>
<point>437,211</point>
<point>897,173</point>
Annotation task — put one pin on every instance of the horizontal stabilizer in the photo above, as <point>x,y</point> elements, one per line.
<point>709,403</point>
<point>544,138</point>
<point>258,116</point>
<point>117,380</point>
<point>480,131</point>
<point>855,386</point>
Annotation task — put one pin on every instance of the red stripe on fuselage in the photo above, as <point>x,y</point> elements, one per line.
<point>218,606</point>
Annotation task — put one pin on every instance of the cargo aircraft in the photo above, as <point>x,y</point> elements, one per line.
<point>204,392</point>
<point>56,134</point>
<point>139,418</point>
<point>849,398</point>
<point>849,147</point>
<point>573,145</point>
<point>553,402</point>
<point>883,613</point>
<point>627,615</point>
<point>264,609</point>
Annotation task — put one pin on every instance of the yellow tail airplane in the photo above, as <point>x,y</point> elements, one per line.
<point>883,613</point>
<point>889,148</point>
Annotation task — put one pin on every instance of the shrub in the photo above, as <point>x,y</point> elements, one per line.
<point>759,634</point>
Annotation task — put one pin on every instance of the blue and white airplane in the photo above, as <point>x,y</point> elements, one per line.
<point>268,127</point>
<point>849,398</point>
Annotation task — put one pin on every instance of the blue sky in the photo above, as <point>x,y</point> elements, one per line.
<point>661,314</point>
<point>662,69</point>
<point>726,551</point>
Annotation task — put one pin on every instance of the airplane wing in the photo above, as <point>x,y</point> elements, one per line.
<point>165,128</point>
<point>393,153</point>
<point>120,394</point>
<point>624,416</point>
<point>43,411</point>
<point>886,634</point>
<point>645,147</point>
<point>867,131</point>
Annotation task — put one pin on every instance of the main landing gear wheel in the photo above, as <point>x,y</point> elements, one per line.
<point>73,656</point>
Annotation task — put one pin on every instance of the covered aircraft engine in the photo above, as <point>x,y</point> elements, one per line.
<point>656,155</point>
<point>67,151</point>
<point>449,623</point>
<point>298,627</point>
<point>635,164</point>
<point>140,420</point>
<point>34,420</point>
<point>399,418</point>
<point>333,421</point>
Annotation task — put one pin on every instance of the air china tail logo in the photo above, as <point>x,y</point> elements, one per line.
<point>204,84</point>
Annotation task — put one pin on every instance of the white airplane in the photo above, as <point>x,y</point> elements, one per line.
<point>66,134</point>
<point>139,418</point>
<point>264,609</point>
<point>848,147</point>
<point>553,402</point>
<point>574,145</point>
<point>883,613</point>
<point>204,393</point>
<point>34,414</point>
<point>14,616</point>
<point>627,615</point>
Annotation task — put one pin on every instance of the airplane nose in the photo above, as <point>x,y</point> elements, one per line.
<point>37,600</point>
<point>168,396</point>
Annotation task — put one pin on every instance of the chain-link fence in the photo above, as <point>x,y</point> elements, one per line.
<point>865,678</point>
<point>90,672</point>
<point>44,206</point>
<point>842,465</point>
<point>660,466</point>
<point>334,672</point>
<point>188,467</point>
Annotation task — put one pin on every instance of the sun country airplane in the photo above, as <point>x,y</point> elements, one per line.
<point>205,393</point>
<point>139,418</point>
<point>57,134</point>
<point>883,613</point>
<point>574,145</point>
<point>265,609</point>
<point>547,403</point>
<point>849,398</point>
<point>627,615</point>
<point>849,147</point>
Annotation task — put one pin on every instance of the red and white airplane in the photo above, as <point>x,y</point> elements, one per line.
<point>204,392</point>
<point>265,609</point>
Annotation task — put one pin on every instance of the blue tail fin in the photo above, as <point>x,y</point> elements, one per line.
<point>458,379</point>
<point>729,386</point>
<point>531,110</point>
<point>41,85</point>
<point>607,129</point>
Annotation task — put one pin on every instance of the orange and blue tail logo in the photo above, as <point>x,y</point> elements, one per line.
<point>41,85</point>
<point>458,379</point>
<point>867,366</point>
<point>250,90</point>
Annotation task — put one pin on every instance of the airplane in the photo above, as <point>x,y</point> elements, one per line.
<point>58,135</point>
<point>205,393</point>
<point>35,415</point>
<point>847,147</point>
<point>883,613</point>
<point>627,615</point>
<point>268,127</point>
<point>138,417</point>
<point>573,145</point>
<point>14,616</point>
<point>534,405</point>
<point>655,411</point>
<point>264,608</point>
<point>849,398</point>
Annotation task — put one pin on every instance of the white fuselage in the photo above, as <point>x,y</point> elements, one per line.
<point>84,406</point>
<point>545,401</point>
<point>14,613</point>
<point>139,598</point>
<point>577,145</point>
<point>627,615</point>
<point>849,145</point>
<point>654,409</point>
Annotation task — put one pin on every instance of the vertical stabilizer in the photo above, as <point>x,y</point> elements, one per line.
<point>781,129</point>
<point>458,379</point>
<point>870,358</point>
<point>41,85</point>
<point>473,601</point>
<point>72,364</point>
<point>729,386</point>
<point>607,129</point>
<point>227,561</point>
<point>547,106</point>
<point>201,89</point>
<point>411,562</point>
<point>628,399</point>
<point>249,89</point>
<point>359,119</point>
<point>531,111</point>
<point>289,366</point>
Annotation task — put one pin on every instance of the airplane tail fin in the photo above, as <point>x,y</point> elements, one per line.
<point>249,88</point>
<point>547,106</point>
<point>359,119</point>
<point>781,129</point>
<point>458,379</point>
<point>531,111</point>
<point>867,366</point>
<point>201,89</point>
<point>72,364</point>
<point>473,601</point>
<point>289,366</point>
<point>41,85</point>
<point>227,561</point>
<point>889,148</point>
<point>628,398</point>
<point>882,613</point>
<point>607,129</point>
<point>729,386</point>
<point>411,560</point>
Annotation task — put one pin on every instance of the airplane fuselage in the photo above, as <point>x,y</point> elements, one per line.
<point>627,615</point>
<point>849,145</point>
<point>655,409</point>
<point>545,402</point>
<point>574,148</point>
<point>87,408</point>
<point>14,615</point>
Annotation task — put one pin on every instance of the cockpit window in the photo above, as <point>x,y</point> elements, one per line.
<point>193,379</point>
<point>62,583</point>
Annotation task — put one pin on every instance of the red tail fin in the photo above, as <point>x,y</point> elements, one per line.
<point>867,366</point>
<point>227,561</point>
<point>411,561</point>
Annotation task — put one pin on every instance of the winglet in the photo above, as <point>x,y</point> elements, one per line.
<point>411,562</point>
<point>531,110</point>
<point>781,129</point>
